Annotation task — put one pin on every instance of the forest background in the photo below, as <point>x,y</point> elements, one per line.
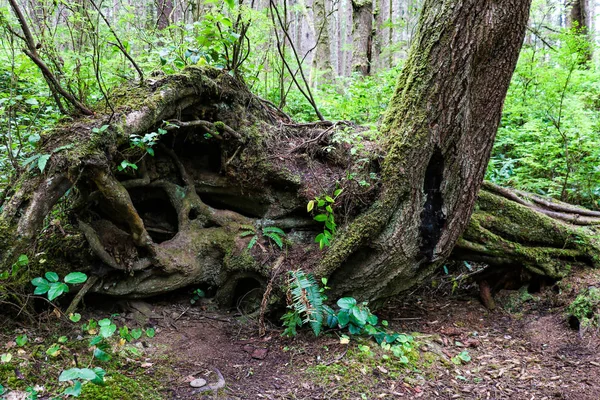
<point>340,58</point>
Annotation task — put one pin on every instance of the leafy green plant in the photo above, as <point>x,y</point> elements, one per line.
<point>461,358</point>
<point>275,234</point>
<point>305,301</point>
<point>53,287</point>
<point>21,340</point>
<point>79,375</point>
<point>323,206</point>
<point>306,304</point>
<point>586,308</point>
<point>21,262</point>
<point>197,294</point>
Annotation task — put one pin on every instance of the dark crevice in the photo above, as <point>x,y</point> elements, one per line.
<point>432,216</point>
<point>155,209</point>
<point>247,295</point>
<point>247,206</point>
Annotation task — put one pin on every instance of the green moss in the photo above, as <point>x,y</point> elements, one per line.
<point>121,387</point>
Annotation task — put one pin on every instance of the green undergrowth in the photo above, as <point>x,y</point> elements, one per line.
<point>365,366</point>
<point>33,361</point>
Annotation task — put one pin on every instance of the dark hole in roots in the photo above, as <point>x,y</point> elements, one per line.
<point>193,215</point>
<point>246,206</point>
<point>197,152</point>
<point>574,322</point>
<point>247,295</point>
<point>155,209</point>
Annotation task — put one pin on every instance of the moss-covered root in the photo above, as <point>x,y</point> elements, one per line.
<point>508,232</point>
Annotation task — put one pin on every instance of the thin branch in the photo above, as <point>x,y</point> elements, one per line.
<point>119,44</point>
<point>31,52</point>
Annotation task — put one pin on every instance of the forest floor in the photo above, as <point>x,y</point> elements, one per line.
<point>524,349</point>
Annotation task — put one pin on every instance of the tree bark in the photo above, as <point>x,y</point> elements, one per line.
<point>164,10</point>
<point>440,128</point>
<point>322,60</point>
<point>580,19</point>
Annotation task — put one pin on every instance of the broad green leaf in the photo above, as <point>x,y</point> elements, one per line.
<point>99,379</point>
<point>150,332</point>
<point>51,276</point>
<point>53,350</point>
<point>42,161</point>
<point>310,206</point>
<point>101,355</point>
<point>75,317</point>
<point>21,340</point>
<point>74,390</point>
<point>321,217</point>
<point>95,340</point>
<point>75,278</point>
<point>108,331</point>
<point>56,289</point>
<point>346,302</point>
<point>39,281</point>
<point>69,375</point>
<point>23,260</point>
<point>136,333</point>
<point>2,390</point>
<point>104,322</point>
<point>343,318</point>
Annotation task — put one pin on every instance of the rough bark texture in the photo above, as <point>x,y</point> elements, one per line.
<point>362,26</point>
<point>228,163</point>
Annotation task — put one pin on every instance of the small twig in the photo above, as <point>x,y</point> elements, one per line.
<point>265,300</point>
<point>82,292</point>
<point>337,358</point>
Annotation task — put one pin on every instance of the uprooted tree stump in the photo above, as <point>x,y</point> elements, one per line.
<point>214,162</point>
<point>227,161</point>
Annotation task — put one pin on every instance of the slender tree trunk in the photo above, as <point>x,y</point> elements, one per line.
<point>322,59</point>
<point>580,19</point>
<point>362,26</point>
<point>163,11</point>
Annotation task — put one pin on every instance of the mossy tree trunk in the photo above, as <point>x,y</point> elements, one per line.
<point>227,162</point>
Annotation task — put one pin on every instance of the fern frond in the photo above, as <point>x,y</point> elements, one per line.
<point>247,233</point>
<point>252,242</point>
<point>248,228</point>
<point>307,299</point>
<point>274,237</point>
<point>273,229</point>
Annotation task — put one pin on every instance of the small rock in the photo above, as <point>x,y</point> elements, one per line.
<point>260,354</point>
<point>196,383</point>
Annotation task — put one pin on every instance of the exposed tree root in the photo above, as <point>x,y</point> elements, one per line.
<point>231,163</point>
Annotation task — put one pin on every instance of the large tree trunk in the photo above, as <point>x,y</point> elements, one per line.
<point>228,162</point>
<point>440,128</point>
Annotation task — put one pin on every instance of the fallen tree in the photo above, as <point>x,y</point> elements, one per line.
<point>191,170</point>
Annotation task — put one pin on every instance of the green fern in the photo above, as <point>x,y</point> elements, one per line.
<point>274,237</point>
<point>306,299</point>
<point>273,229</point>
<point>252,242</point>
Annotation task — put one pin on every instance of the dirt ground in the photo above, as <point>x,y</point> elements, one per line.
<point>524,349</point>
